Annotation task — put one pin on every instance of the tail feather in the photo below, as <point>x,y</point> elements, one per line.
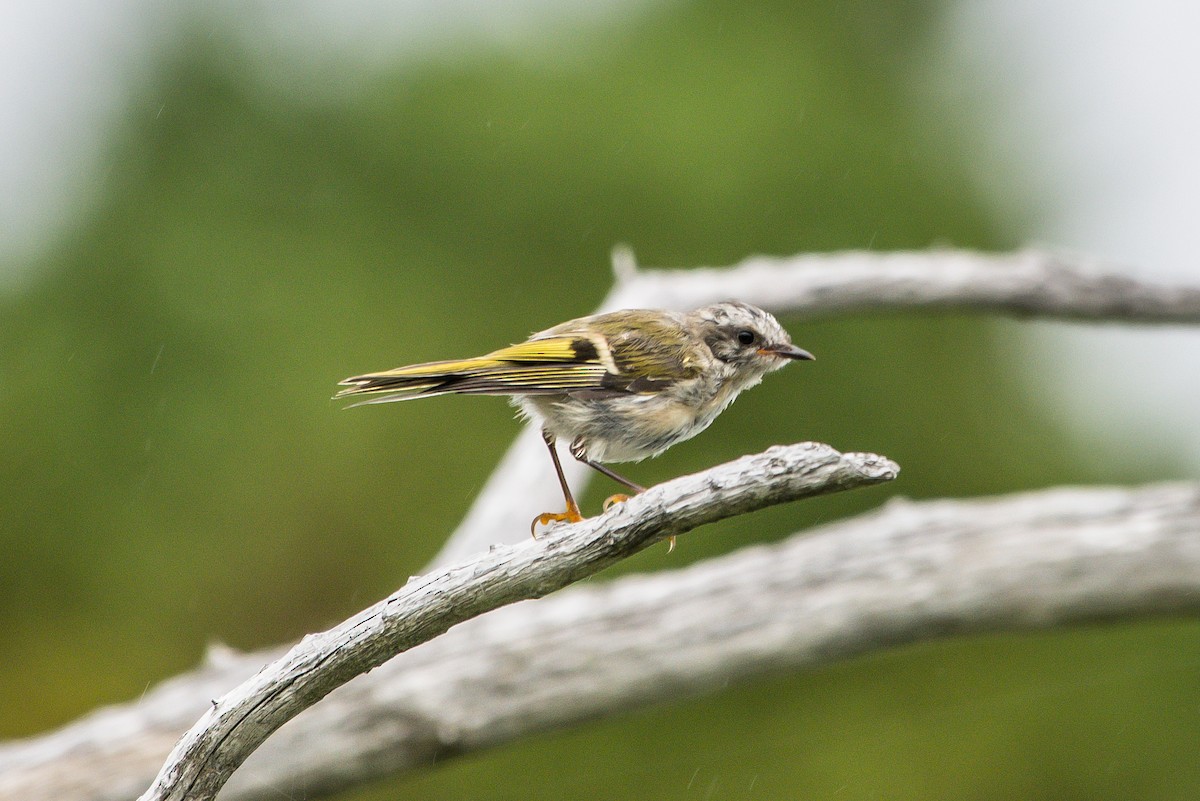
<point>397,387</point>
<point>533,374</point>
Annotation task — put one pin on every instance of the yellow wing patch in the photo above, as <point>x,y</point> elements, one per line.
<point>550,349</point>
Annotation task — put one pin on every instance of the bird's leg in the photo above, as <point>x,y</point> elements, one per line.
<point>572,514</point>
<point>579,451</point>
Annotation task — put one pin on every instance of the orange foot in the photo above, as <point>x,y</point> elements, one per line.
<point>572,515</point>
<point>613,500</point>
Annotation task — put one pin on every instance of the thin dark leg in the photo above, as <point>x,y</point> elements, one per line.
<point>572,514</point>
<point>617,477</point>
<point>572,507</point>
<point>578,452</point>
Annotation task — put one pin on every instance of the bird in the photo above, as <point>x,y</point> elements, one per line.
<point>618,387</point>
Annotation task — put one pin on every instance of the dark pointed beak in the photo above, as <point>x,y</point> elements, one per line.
<point>787,352</point>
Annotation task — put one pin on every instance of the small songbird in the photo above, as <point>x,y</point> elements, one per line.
<point>619,386</point>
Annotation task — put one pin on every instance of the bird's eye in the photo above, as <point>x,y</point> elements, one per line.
<point>746,336</point>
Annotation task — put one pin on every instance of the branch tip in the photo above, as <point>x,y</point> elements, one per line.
<point>624,263</point>
<point>874,466</point>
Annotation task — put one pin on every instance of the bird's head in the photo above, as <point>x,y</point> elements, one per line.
<point>748,339</point>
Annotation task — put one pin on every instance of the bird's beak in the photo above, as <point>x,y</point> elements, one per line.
<point>787,352</point>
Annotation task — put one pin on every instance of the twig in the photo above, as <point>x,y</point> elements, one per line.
<point>428,606</point>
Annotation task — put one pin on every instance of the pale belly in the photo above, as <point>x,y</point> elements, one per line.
<point>621,429</point>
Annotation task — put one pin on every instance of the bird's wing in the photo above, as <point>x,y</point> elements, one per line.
<point>568,359</point>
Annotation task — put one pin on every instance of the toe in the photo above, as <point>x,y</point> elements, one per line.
<point>546,518</point>
<point>612,500</point>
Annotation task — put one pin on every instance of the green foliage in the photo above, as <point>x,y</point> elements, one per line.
<point>176,474</point>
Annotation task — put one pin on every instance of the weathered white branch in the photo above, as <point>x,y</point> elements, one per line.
<point>908,572</point>
<point>429,605</point>
<point>1026,283</point>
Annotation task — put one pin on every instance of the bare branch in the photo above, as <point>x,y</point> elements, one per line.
<point>1026,283</point>
<point>429,605</point>
<point>909,572</point>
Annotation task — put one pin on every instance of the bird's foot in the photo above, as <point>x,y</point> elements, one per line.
<point>572,515</point>
<point>613,500</point>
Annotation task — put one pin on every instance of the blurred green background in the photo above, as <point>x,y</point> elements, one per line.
<point>177,475</point>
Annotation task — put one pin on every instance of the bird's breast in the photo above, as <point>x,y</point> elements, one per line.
<point>622,428</point>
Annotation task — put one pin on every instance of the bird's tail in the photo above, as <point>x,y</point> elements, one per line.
<point>549,365</point>
<point>413,381</point>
